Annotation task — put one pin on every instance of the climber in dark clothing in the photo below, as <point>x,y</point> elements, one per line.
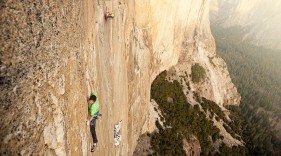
<point>93,115</point>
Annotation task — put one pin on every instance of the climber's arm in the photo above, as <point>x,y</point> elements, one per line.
<point>90,117</point>
<point>91,85</point>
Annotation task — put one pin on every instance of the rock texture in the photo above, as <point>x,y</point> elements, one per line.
<point>192,146</point>
<point>260,19</point>
<point>42,61</point>
<point>49,47</point>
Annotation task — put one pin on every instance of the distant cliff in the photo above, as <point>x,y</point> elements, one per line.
<point>259,19</point>
<point>49,48</point>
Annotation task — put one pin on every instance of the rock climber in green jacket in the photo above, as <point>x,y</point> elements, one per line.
<point>93,114</point>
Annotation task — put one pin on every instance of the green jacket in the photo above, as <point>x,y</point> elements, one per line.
<point>94,107</point>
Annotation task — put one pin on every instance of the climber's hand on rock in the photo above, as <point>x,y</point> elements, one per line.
<point>87,122</point>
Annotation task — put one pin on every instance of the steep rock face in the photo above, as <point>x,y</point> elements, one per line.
<point>41,63</point>
<point>260,19</point>
<point>216,85</point>
<point>48,49</point>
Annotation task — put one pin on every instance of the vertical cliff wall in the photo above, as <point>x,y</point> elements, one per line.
<point>48,48</point>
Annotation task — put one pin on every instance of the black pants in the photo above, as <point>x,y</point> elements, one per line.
<point>93,132</point>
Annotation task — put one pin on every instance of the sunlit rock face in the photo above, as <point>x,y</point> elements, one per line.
<point>260,19</point>
<point>48,49</point>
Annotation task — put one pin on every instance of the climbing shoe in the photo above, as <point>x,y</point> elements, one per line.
<point>94,146</point>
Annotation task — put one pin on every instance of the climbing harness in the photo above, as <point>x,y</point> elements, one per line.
<point>96,116</point>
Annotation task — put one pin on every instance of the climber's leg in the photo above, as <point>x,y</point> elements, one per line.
<point>93,132</point>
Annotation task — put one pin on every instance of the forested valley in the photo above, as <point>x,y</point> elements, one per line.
<point>256,72</point>
<point>182,121</point>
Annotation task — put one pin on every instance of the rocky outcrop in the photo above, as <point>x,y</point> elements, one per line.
<point>48,48</point>
<point>216,85</point>
<point>192,146</point>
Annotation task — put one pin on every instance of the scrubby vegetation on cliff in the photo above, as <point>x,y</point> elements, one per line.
<point>256,73</point>
<point>182,120</point>
<point>197,73</point>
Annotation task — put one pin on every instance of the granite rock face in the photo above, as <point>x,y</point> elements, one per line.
<point>48,48</point>
<point>41,56</point>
